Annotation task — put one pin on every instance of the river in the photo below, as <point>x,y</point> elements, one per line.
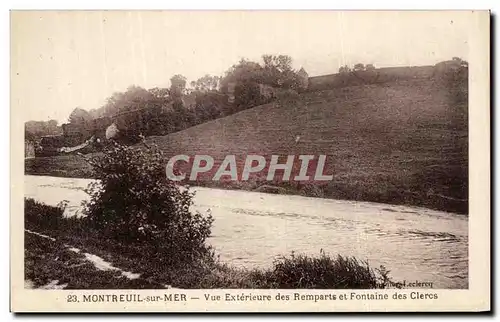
<point>251,229</point>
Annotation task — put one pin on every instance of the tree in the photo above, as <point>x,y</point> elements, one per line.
<point>134,202</point>
<point>370,67</point>
<point>134,98</point>
<point>460,61</point>
<point>160,93</point>
<point>247,95</point>
<point>244,71</point>
<point>206,83</point>
<point>177,90</point>
<point>281,63</point>
<point>243,80</point>
<point>35,130</point>
<point>41,128</point>
<point>278,72</point>
<point>209,106</point>
<point>359,67</point>
<point>344,69</point>
<point>178,85</point>
<point>132,111</point>
<point>80,117</point>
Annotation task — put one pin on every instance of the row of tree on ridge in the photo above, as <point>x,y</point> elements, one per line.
<point>163,110</point>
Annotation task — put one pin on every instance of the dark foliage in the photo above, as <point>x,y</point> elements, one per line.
<point>134,203</point>
<point>301,271</point>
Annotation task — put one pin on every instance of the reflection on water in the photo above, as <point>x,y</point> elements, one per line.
<point>251,229</point>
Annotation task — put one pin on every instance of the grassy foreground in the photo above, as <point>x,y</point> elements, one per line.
<point>48,260</point>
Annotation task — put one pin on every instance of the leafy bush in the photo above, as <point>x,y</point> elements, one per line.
<point>247,95</point>
<point>134,202</point>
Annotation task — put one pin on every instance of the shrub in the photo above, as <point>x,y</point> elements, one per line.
<point>133,202</point>
<point>247,94</point>
<point>296,272</point>
<point>301,271</point>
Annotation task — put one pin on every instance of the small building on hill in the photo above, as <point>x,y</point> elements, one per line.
<point>304,78</point>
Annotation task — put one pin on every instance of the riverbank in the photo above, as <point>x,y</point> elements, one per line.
<point>251,228</point>
<point>63,252</point>
<point>349,188</point>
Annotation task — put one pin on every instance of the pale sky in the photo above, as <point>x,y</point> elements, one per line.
<point>62,60</point>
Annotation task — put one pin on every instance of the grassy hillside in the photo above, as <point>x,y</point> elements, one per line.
<point>403,143</point>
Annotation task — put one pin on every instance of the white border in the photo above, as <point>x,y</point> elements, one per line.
<point>145,4</point>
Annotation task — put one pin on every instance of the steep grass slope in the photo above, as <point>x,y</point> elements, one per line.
<point>402,143</point>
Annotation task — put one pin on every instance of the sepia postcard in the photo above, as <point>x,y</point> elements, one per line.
<point>250,161</point>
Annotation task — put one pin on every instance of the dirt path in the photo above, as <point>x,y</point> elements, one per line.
<point>99,264</point>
